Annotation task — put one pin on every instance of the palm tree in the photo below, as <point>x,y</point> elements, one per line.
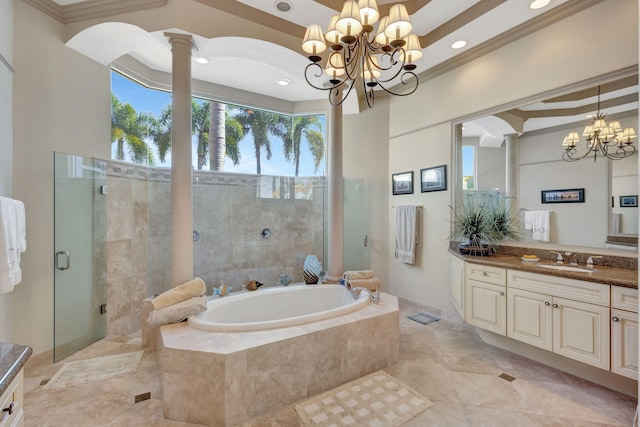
<point>200,128</point>
<point>161,132</point>
<point>200,125</point>
<point>261,124</point>
<point>130,127</point>
<point>224,135</point>
<point>310,127</point>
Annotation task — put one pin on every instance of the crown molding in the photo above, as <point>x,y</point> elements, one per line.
<point>631,114</point>
<point>48,7</point>
<point>92,9</point>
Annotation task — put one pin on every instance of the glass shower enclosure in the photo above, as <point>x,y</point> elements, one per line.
<point>80,228</point>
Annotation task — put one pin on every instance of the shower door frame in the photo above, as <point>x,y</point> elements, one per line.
<point>79,253</point>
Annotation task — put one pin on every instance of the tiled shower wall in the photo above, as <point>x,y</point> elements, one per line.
<point>230,211</point>
<point>127,246</point>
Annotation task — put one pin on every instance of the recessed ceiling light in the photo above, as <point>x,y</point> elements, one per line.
<point>284,82</point>
<point>459,44</point>
<point>201,60</point>
<point>539,4</point>
<point>283,6</point>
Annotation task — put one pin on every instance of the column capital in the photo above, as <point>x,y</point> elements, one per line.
<point>179,38</point>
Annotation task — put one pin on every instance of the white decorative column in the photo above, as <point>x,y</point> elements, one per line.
<point>511,168</point>
<point>335,210</point>
<point>181,170</point>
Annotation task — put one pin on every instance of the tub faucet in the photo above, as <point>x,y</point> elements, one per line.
<point>374,296</point>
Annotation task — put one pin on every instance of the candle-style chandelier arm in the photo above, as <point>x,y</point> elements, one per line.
<point>333,89</point>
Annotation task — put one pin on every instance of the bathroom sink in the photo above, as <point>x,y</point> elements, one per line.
<point>566,268</point>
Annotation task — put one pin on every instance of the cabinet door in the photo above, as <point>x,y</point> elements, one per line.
<point>485,306</point>
<point>456,279</point>
<point>529,318</point>
<point>624,343</point>
<point>581,331</point>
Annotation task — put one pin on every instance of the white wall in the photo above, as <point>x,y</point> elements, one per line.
<point>365,155</point>
<point>6,140</point>
<point>423,281</point>
<point>62,103</point>
<point>524,68</point>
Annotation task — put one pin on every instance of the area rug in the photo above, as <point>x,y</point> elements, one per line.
<point>376,400</point>
<point>95,369</point>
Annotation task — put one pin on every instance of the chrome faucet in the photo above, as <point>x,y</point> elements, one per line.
<point>559,258</point>
<point>573,259</point>
<point>374,296</point>
<point>590,260</point>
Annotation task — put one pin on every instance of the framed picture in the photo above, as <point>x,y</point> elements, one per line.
<point>574,195</point>
<point>402,183</point>
<point>629,201</point>
<point>433,179</point>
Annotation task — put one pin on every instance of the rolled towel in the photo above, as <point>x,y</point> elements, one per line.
<point>193,288</point>
<point>177,312</point>
<point>372,284</point>
<point>359,274</point>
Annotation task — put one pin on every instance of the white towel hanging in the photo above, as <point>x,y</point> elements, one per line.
<point>539,223</point>
<point>12,242</point>
<point>406,233</point>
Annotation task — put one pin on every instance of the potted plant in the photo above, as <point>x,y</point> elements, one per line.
<point>482,225</point>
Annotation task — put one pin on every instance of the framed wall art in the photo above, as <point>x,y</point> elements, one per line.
<point>402,183</point>
<point>433,179</point>
<point>574,195</point>
<point>629,201</point>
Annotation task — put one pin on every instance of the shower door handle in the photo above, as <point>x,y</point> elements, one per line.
<point>366,240</point>
<point>67,263</point>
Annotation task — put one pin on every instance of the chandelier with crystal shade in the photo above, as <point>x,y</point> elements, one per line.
<point>607,140</point>
<point>379,59</point>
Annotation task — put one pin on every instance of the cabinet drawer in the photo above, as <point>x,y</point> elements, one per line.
<point>13,395</point>
<point>624,298</point>
<point>577,290</point>
<point>484,273</point>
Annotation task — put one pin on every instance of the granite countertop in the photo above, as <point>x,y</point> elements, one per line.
<point>608,275</point>
<point>12,359</point>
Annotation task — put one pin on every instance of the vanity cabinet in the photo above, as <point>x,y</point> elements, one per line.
<point>529,316</point>
<point>624,331</point>
<point>11,400</point>
<point>566,316</point>
<point>456,290</point>
<point>485,297</point>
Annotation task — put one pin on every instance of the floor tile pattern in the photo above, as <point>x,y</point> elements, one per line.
<point>444,361</point>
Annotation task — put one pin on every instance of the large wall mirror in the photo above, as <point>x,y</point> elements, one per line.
<point>518,153</point>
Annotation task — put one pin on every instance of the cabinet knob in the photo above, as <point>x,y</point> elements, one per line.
<point>9,408</point>
<point>547,303</point>
<point>501,294</point>
<point>555,305</point>
<point>615,319</point>
<point>484,273</point>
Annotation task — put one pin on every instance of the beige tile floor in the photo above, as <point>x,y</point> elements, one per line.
<point>445,361</point>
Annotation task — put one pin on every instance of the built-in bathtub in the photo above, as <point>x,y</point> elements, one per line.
<point>225,378</point>
<point>277,307</point>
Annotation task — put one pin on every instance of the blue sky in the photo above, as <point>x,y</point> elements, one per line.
<point>152,101</point>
